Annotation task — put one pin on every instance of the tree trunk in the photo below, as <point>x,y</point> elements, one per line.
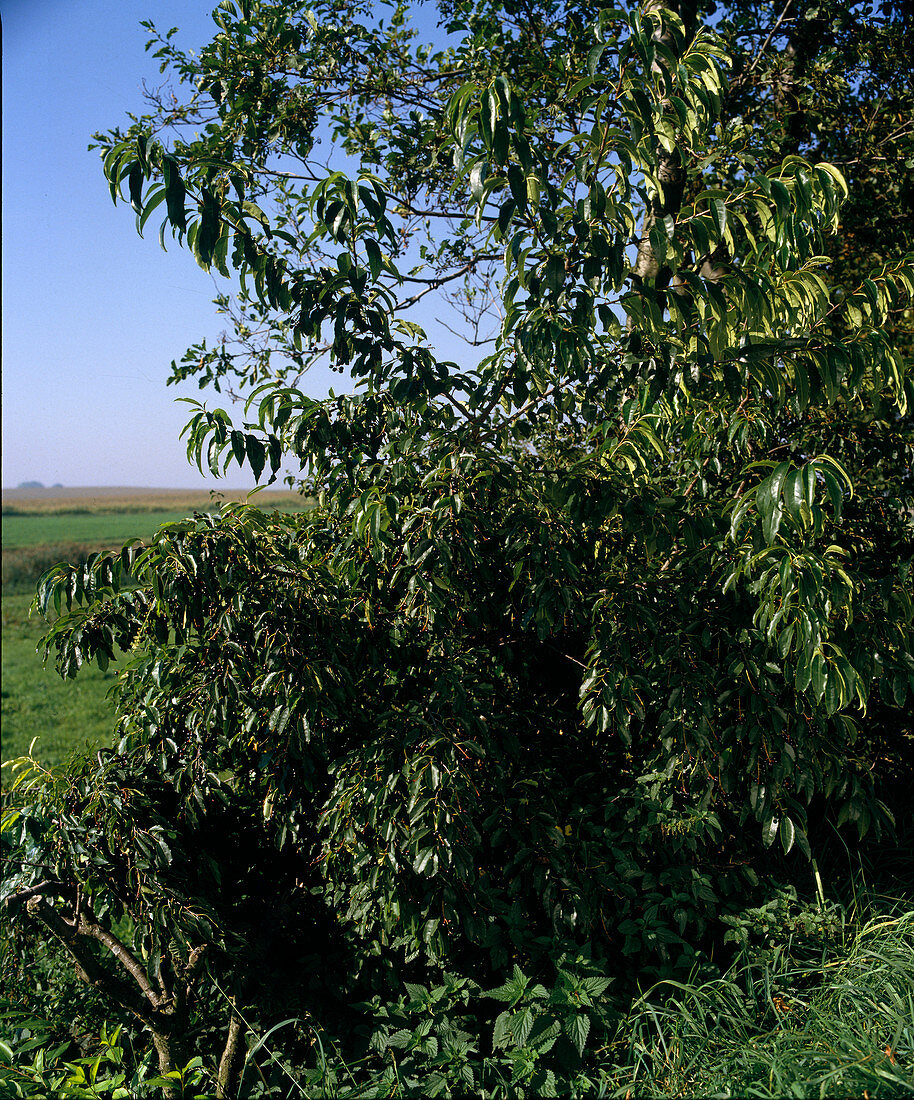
<point>232,1059</point>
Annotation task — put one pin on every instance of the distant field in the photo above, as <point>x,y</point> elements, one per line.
<point>40,528</point>
<point>108,501</point>
<point>44,526</point>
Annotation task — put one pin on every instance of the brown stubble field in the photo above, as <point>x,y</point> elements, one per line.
<point>112,499</point>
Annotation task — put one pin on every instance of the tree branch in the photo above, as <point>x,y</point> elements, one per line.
<point>150,1007</point>
<point>764,46</point>
<point>33,891</point>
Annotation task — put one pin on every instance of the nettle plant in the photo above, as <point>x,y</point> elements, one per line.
<point>583,628</point>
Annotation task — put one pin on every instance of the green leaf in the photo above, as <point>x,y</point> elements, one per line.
<point>833,693</point>
<point>505,214</point>
<point>577,1027</point>
<point>174,194</point>
<point>477,179</point>
<point>719,214</point>
<point>554,274</point>
<point>153,201</point>
<point>375,260</point>
<point>238,446</point>
<point>768,501</point>
<point>256,454</point>
<point>135,186</point>
<point>595,987</point>
<point>422,860</point>
<point>501,1032</point>
<point>788,833</point>
<point>818,674</point>
<point>833,489</point>
<point>521,1026</point>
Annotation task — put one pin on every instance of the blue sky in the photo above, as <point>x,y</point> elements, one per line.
<point>92,314</point>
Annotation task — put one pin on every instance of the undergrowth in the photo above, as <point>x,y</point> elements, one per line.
<point>773,1027</point>
<point>822,1007</point>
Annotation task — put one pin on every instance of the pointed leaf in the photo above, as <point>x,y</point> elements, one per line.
<point>577,1028</point>
<point>787,833</point>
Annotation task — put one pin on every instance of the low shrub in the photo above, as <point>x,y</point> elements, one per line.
<point>819,1005</point>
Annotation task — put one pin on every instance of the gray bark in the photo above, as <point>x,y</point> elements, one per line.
<point>232,1059</point>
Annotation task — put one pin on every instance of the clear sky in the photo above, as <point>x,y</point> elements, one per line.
<point>92,314</point>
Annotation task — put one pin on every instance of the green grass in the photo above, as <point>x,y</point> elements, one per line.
<point>36,702</point>
<point>33,543</point>
<point>840,1025</point>
<point>101,530</point>
<point>62,714</point>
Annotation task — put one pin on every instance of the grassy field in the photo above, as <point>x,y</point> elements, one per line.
<point>57,528</point>
<point>36,702</point>
<point>41,528</point>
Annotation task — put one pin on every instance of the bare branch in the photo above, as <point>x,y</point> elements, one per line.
<point>764,46</point>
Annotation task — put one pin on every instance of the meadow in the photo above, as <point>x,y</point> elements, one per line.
<point>37,703</point>
<point>46,526</point>
<point>55,528</point>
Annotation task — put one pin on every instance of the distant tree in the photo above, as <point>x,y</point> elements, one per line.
<point>597,630</point>
<point>30,485</point>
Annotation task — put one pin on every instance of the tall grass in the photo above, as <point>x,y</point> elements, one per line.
<point>842,1026</point>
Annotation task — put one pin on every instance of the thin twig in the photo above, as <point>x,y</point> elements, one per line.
<point>771,34</point>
